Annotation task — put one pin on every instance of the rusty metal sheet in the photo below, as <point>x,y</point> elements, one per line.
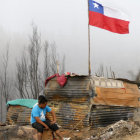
<point>127,96</point>
<point>102,116</point>
<point>76,90</point>
<point>18,115</point>
<point>69,114</point>
<point>71,102</point>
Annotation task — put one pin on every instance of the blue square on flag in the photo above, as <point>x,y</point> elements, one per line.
<point>95,7</point>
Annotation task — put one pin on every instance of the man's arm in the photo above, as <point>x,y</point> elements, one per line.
<point>39,121</point>
<point>53,116</point>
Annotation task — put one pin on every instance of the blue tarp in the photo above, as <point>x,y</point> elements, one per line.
<point>23,102</point>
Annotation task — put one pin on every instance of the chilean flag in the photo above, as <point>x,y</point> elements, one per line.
<point>107,18</point>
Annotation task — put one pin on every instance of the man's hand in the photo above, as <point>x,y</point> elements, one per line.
<point>46,127</point>
<point>39,121</point>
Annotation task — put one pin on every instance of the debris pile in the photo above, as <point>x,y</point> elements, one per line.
<point>115,130</point>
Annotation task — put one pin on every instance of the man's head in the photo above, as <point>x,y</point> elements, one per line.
<point>42,101</point>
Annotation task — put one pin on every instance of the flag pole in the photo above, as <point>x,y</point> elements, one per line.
<point>89,63</point>
<point>57,63</point>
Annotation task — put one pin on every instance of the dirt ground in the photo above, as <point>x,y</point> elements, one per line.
<point>87,136</point>
<point>129,132</point>
<point>135,136</point>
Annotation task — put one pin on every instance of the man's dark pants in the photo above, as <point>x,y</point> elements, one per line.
<point>40,127</point>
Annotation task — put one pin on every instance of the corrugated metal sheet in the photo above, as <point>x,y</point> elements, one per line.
<point>18,115</point>
<point>102,116</point>
<point>75,90</point>
<point>72,103</point>
<point>69,114</point>
<point>127,96</point>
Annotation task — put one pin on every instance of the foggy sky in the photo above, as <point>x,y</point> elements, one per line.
<point>66,23</point>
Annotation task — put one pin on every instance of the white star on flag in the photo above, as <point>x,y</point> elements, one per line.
<point>96,5</point>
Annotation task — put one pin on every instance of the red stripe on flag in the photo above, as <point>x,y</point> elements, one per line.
<point>108,23</point>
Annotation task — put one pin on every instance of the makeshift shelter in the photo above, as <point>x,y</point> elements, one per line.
<point>92,101</point>
<point>19,111</point>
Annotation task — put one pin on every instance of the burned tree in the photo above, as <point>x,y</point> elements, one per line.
<point>5,81</point>
<point>4,77</point>
<point>102,72</point>
<point>52,62</point>
<point>28,77</point>
<point>22,77</point>
<point>46,60</point>
<point>34,51</point>
<point>53,59</point>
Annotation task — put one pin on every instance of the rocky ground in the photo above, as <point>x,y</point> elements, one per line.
<point>121,130</point>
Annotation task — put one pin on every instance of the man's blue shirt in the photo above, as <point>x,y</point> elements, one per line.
<point>39,112</point>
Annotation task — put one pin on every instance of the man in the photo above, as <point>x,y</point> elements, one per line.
<point>39,121</point>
